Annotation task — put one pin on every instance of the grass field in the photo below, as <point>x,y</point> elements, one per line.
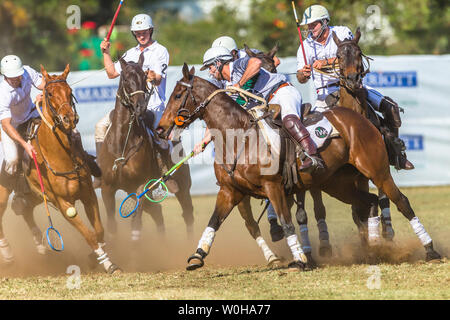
<point>235,268</point>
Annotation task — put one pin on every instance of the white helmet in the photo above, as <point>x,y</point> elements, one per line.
<point>141,22</point>
<point>226,42</point>
<point>11,66</point>
<point>215,54</point>
<point>314,13</point>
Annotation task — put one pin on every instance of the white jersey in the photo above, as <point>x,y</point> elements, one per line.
<point>15,103</point>
<point>156,58</point>
<point>316,51</point>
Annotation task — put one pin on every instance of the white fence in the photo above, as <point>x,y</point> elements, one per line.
<point>418,83</point>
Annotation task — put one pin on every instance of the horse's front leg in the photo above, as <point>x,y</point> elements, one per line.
<point>277,197</point>
<point>226,200</point>
<point>252,226</point>
<point>109,200</point>
<point>90,203</point>
<point>90,236</point>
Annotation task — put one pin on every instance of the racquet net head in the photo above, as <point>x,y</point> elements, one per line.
<point>158,193</point>
<point>129,205</point>
<point>54,239</point>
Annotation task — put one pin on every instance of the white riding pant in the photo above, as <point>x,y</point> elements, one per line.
<point>289,100</point>
<point>10,153</point>
<point>373,96</point>
<point>102,126</point>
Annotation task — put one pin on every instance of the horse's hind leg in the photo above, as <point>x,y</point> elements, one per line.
<point>386,221</point>
<point>28,216</point>
<point>325,249</point>
<point>5,249</point>
<point>246,212</point>
<point>226,200</point>
<point>401,201</point>
<point>109,200</point>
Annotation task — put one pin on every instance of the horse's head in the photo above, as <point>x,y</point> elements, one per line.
<point>350,57</point>
<point>267,60</point>
<point>180,109</point>
<point>59,103</point>
<point>133,92</point>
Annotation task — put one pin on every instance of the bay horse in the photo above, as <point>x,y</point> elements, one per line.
<point>127,157</point>
<point>345,159</point>
<point>65,173</point>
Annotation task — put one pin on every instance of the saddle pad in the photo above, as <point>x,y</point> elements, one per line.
<point>320,131</point>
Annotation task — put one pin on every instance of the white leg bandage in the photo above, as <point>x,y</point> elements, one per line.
<point>207,239</point>
<point>374,230</point>
<point>135,235</point>
<point>102,258</point>
<point>304,238</point>
<point>5,250</point>
<point>296,249</point>
<point>419,229</point>
<point>268,254</point>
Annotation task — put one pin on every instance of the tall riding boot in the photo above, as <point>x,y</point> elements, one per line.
<point>391,112</point>
<point>300,134</point>
<point>97,180</point>
<point>90,160</point>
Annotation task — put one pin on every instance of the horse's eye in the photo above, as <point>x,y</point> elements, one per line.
<point>178,96</point>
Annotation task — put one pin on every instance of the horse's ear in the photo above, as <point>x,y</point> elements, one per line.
<point>273,52</point>
<point>44,72</point>
<point>141,60</point>
<point>357,35</point>
<point>186,74</point>
<point>335,38</point>
<point>192,71</point>
<point>123,63</point>
<point>249,52</point>
<point>66,71</point>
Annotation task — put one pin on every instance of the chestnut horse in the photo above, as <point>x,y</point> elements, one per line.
<point>128,157</point>
<point>240,178</point>
<point>65,174</point>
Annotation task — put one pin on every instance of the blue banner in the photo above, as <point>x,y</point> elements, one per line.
<point>391,79</point>
<point>95,94</point>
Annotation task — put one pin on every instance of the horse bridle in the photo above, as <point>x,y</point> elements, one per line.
<point>56,117</point>
<point>184,117</point>
<point>345,79</point>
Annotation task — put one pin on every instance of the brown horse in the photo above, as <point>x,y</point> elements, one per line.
<point>65,174</point>
<point>128,156</point>
<point>240,178</point>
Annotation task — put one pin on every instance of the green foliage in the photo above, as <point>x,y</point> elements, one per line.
<point>37,31</point>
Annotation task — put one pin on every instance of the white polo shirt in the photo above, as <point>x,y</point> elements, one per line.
<point>316,51</point>
<point>15,103</point>
<point>156,58</point>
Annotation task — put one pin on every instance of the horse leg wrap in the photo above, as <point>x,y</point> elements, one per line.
<point>207,239</point>
<point>268,254</point>
<point>37,238</point>
<point>135,235</point>
<point>304,238</point>
<point>296,249</point>
<point>5,250</point>
<point>102,258</point>
<point>374,230</point>
<point>420,231</point>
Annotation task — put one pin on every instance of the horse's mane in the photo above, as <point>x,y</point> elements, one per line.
<point>227,102</point>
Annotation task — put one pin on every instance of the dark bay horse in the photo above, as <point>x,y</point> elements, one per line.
<point>66,176</point>
<point>241,178</point>
<point>128,157</point>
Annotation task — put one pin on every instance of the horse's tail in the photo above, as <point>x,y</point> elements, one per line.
<point>366,148</point>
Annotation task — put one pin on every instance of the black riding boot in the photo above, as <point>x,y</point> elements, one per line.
<point>300,134</point>
<point>90,160</point>
<point>391,112</point>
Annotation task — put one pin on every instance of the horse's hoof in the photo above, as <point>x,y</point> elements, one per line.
<point>113,269</point>
<point>325,251</point>
<point>41,249</point>
<point>276,232</point>
<point>433,256</point>
<point>310,263</point>
<point>198,262</point>
<point>274,262</point>
<point>297,265</point>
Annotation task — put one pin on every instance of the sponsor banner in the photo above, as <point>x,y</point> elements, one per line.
<point>416,83</point>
